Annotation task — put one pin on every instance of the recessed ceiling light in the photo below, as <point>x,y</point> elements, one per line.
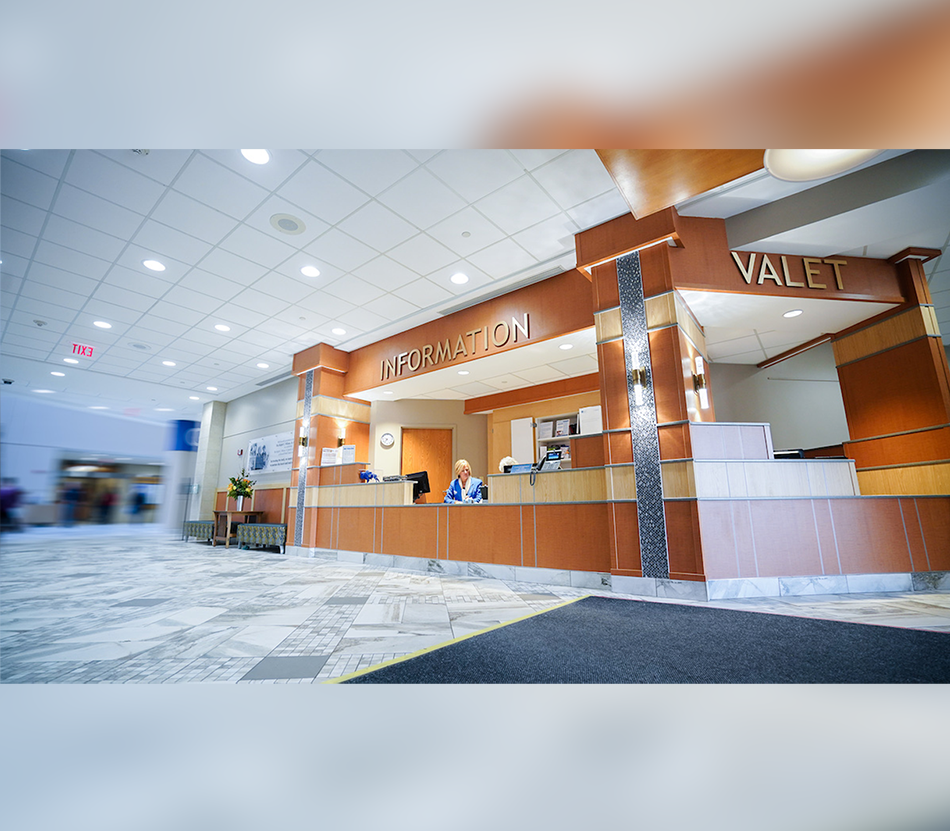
<point>163,409</point>
<point>459,278</point>
<point>99,407</point>
<point>70,361</point>
<point>808,165</point>
<point>154,265</point>
<point>222,328</point>
<point>566,346</point>
<point>193,398</point>
<point>463,372</point>
<point>256,156</point>
<point>211,389</point>
<point>792,313</point>
<point>387,392</point>
<point>339,331</point>
<point>263,366</point>
<point>466,234</point>
<point>59,374</point>
<point>310,271</point>
<point>42,390</point>
<point>288,224</point>
<point>102,324</point>
<point>169,363</point>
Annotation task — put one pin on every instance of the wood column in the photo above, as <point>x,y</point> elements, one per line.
<point>896,389</point>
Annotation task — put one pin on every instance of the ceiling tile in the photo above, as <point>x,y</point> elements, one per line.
<point>353,290</point>
<point>161,326</point>
<point>81,206</point>
<point>113,182</point>
<point>164,241</point>
<point>518,206</point>
<point>291,268</point>
<point>25,184</point>
<point>134,255</point>
<point>231,267</point>
<point>138,282</point>
<point>42,309</point>
<point>210,284</point>
<point>51,324</point>
<point>598,210</point>
<point>422,156</point>
<point>550,238</point>
<point>481,232</point>
<point>326,304</point>
<point>50,162</point>
<point>476,277</point>
<point>385,273</point>
<point>423,293</point>
<point>574,177</point>
<point>293,315</point>
<point>161,165</point>
<point>362,319</point>
<point>530,159</point>
<point>391,307</point>
<point>370,171</point>
<point>256,338</point>
<point>151,337</point>
<point>313,227</point>
<point>181,296</point>
<point>257,246</point>
<point>69,260</point>
<point>379,227</point>
<point>285,288</point>
<point>217,187</point>
<point>191,217</point>
<point>422,198</point>
<point>341,250</point>
<point>59,279</point>
<point>475,388</point>
<point>281,329</point>
<point>581,365</point>
<point>230,313</point>
<point>110,313</point>
<point>20,216</point>
<point>60,297</point>
<point>282,165</point>
<point>14,266</point>
<point>17,243</point>
<point>179,314</point>
<point>123,297</point>
<point>78,237</point>
<point>322,193</point>
<point>260,301</point>
<point>540,374</point>
<point>475,173</point>
<point>422,254</point>
<point>502,259</point>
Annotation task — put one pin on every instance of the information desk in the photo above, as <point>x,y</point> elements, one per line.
<point>223,521</point>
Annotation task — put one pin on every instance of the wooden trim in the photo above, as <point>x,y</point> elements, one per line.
<point>321,356</point>
<point>623,235</point>
<point>528,395</point>
<point>924,255</point>
<point>795,350</point>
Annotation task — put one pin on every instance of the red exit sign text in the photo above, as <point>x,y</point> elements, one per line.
<point>80,349</point>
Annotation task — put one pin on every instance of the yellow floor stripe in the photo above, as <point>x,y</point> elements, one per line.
<point>419,652</point>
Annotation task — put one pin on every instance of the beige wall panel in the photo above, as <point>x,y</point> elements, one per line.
<point>689,325</point>
<point>832,478</point>
<point>621,482</point>
<point>915,479</point>
<point>678,481</point>
<point>711,479</point>
<point>661,310</point>
<point>584,485</point>
<point>901,328</point>
<point>299,409</point>
<point>506,489</point>
<point>776,479</point>
<point>608,326</point>
<point>338,408</point>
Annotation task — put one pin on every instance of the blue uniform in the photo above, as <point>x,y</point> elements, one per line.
<point>473,492</point>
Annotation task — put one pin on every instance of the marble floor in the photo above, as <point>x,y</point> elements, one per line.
<point>135,604</point>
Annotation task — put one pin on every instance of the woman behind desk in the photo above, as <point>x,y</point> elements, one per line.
<point>465,487</point>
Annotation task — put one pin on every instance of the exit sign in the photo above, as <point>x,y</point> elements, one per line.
<point>80,349</point>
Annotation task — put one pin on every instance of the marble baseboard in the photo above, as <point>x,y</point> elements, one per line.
<point>659,587</point>
<point>801,586</point>
<point>931,581</point>
<point>865,583</point>
<point>748,587</point>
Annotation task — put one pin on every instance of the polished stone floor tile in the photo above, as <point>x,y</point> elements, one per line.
<point>136,605</point>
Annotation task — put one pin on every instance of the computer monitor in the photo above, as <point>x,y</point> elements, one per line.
<point>420,483</point>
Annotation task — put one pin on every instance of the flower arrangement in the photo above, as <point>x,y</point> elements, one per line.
<point>240,486</point>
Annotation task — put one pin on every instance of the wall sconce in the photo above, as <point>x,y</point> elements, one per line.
<point>638,376</point>
<point>699,383</point>
<point>303,441</point>
<point>341,439</point>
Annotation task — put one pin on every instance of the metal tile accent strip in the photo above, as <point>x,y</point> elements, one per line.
<point>302,472</point>
<point>654,551</point>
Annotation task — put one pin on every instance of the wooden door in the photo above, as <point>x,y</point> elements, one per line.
<point>430,450</point>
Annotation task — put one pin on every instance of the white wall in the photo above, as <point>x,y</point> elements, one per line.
<point>800,398</point>
<point>265,413</point>
<point>470,436</point>
<point>36,435</point>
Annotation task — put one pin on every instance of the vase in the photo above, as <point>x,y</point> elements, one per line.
<point>239,502</point>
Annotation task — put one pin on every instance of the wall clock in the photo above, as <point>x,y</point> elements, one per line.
<point>387,440</point>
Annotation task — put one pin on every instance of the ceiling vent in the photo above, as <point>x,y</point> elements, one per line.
<point>287,224</point>
<point>280,376</point>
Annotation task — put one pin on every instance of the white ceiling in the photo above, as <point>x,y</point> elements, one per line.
<point>386,229</point>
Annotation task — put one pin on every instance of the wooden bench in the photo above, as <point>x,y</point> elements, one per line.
<point>262,533</point>
<point>200,529</point>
